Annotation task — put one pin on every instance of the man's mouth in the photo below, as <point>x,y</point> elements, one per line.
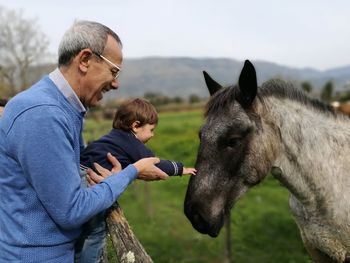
<point>105,89</point>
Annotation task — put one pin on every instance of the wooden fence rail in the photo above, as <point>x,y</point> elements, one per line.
<point>127,247</point>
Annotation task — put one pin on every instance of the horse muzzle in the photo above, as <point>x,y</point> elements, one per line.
<point>202,222</point>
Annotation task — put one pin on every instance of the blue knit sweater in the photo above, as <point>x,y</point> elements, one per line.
<point>127,149</point>
<point>42,204</point>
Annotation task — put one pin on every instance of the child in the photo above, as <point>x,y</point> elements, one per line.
<point>2,105</point>
<point>133,125</point>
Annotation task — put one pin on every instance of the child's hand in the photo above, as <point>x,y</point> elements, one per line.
<point>191,171</point>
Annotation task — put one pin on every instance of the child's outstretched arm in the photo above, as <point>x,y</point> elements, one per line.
<point>189,171</point>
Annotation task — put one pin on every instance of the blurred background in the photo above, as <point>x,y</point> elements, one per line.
<point>167,45</point>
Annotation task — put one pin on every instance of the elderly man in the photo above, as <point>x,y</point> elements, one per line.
<point>43,205</point>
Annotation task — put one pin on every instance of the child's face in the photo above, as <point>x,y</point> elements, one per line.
<point>145,132</point>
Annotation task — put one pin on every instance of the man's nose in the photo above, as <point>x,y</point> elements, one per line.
<point>115,83</point>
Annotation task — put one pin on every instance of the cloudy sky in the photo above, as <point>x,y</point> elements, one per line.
<point>296,33</point>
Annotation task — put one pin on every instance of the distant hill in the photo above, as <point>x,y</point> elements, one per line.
<point>183,76</point>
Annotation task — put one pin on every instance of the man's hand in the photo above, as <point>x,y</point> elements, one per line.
<point>117,167</point>
<point>148,171</point>
<point>94,178</point>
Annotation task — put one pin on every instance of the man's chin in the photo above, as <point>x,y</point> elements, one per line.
<point>97,101</point>
<point>94,104</point>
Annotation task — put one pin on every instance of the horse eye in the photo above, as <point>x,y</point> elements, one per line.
<point>233,142</point>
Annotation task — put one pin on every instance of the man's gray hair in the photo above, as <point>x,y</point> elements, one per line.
<point>84,34</point>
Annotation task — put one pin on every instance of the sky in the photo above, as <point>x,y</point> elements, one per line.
<point>295,33</point>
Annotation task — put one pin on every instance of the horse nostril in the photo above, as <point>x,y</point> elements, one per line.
<point>201,218</point>
<point>198,219</point>
<point>206,225</point>
<point>199,223</point>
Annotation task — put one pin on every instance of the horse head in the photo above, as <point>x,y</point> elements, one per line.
<point>228,152</point>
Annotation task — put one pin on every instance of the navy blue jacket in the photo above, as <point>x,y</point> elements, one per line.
<point>127,149</point>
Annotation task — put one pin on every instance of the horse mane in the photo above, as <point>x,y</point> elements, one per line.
<point>281,89</point>
<point>221,99</point>
<point>274,87</point>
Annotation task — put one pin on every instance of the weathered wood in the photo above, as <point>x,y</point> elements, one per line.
<point>125,243</point>
<point>104,256</point>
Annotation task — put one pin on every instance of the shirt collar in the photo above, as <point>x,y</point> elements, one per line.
<point>62,84</point>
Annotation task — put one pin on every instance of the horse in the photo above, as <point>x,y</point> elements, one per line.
<point>249,132</point>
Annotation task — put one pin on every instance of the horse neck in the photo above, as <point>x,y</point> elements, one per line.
<point>313,148</point>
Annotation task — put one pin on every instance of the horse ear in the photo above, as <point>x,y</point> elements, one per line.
<point>248,84</point>
<point>212,85</point>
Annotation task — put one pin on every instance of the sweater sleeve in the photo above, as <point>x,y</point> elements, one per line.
<point>43,145</point>
<point>170,167</point>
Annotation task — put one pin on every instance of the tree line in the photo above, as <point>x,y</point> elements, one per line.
<point>328,92</point>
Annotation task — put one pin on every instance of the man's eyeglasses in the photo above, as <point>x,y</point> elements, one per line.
<point>115,70</point>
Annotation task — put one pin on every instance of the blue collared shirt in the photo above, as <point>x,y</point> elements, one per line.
<point>62,84</point>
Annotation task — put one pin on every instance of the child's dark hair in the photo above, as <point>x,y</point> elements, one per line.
<point>134,110</point>
<point>3,102</point>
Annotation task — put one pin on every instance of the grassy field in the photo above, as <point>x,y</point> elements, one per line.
<point>262,228</point>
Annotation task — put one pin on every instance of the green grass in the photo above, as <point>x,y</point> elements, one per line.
<point>263,229</point>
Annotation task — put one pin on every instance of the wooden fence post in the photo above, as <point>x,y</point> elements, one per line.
<point>125,243</point>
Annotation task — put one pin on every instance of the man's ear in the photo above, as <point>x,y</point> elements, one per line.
<point>84,59</point>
